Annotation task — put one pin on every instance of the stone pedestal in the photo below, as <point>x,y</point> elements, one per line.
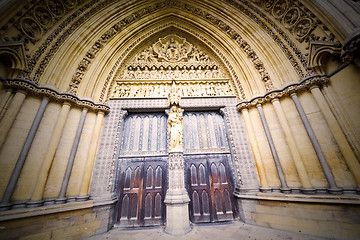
<point>177,199</point>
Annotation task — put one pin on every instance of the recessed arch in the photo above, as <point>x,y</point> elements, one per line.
<point>103,65</point>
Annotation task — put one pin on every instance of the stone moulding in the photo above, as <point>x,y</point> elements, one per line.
<point>314,80</point>
<point>32,89</point>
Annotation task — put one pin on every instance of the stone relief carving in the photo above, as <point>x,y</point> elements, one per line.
<point>172,48</point>
<point>31,28</point>
<point>43,16</point>
<point>162,89</point>
<point>171,73</point>
<point>174,96</point>
<point>297,19</point>
<point>56,7</point>
<point>302,28</point>
<point>171,60</point>
<point>291,17</point>
<point>279,8</point>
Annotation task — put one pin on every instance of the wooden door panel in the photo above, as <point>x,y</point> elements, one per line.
<point>210,191</point>
<point>142,192</point>
<point>154,210</point>
<point>198,191</point>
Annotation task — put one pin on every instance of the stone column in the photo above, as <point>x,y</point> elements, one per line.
<point>259,164</point>
<point>299,164</point>
<point>177,199</point>
<point>10,115</point>
<point>330,178</point>
<point>64,185</point>
<point>85,183</point>
<point>23,153</point>
<point>338,134</point>
<point>36,198</point>
<point>284,188</point>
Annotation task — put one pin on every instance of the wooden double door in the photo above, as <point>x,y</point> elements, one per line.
<point>142,187</point>
<point>142,169</point>
<point>210,188</point>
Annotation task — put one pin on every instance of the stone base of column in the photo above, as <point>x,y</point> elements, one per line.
<point>335,190</point>
<point>60,200</point>
<point>265,189</point>
<point>49,201</point>
<point>35,203</point>
<point>177,212</point>
<point>243,190</point>
<point>285,190</point>
<point>4,207</point>
<point>308,190</point>
<point>82,198</point>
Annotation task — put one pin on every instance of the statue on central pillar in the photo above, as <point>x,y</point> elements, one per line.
<point>175,125</point>
<point>177,199</point>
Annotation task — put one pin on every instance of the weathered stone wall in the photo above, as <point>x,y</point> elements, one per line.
<point>330,218</point>
<point>68,221</point>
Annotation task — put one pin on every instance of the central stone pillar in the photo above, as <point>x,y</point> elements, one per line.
<point>177,199</point>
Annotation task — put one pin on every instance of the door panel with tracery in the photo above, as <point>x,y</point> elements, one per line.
<point>141,182</point>
<point>207,156</point>
<point>210,188</point>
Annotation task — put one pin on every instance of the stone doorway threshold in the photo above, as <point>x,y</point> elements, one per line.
<point>232,230</point>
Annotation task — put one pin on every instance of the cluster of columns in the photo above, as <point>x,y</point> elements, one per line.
<point>306,186</point>
<point>11,104</point>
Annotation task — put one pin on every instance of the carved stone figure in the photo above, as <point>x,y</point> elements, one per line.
<point>175,126</point>
<point>172,52</point>
<point>291,17</point>
<point>174,96</point>
<point>172,48</point>
<point>302,28</point>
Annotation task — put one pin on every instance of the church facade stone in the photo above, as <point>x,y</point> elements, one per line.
<point>172,113</point>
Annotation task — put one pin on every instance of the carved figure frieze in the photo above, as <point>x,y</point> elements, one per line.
<point>181,71</point>
<point>163,89</point>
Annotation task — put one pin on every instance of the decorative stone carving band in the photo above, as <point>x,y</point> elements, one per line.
<point>315,80</point>
<point>33,89</point>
